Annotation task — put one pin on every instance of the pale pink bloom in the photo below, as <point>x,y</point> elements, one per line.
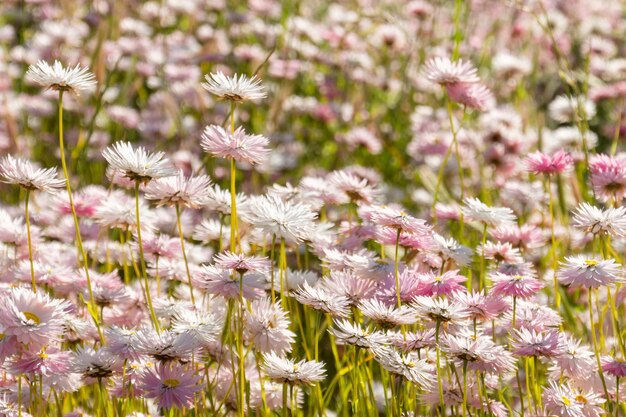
<point>47,361</point>
<point>21,172</point>
<point>320,298</point>
<point>171,385</point>
<point>237,88</point>
<point>287,371</point>
<point>448,283</point>
<point>564,401</point>
<point>558,163</point>
<point>445,72</point>
<point>408,365</point>
<point>222,282</point>
<point>481,307</point>
<point>611,221</point>
<point>241,263</point>
<point>385,315</point>
<point>590,272</point>
<point>523,237</point>
<point>532,343</point>
<point>476,210</point>
<point>137,164</point>
<point>520,286</point>
<point>396,219</point>
<point>500,252</point>
<point>471,95</point>
<point>346,332</point>
<point>33,318</point>
<point>239,145</point>
<point>267,327</point>
<point>614,366</point>
<point>608,177</point>
<point>191,192</point>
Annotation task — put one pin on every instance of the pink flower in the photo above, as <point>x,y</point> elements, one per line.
<point>432,284</point>
<point>558,163</point>
<point>515,285</point>
<point>239,145</point>
<point>171,385</point>
<point>473,95</point>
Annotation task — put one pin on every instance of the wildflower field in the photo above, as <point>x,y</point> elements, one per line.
<point>312,208</point>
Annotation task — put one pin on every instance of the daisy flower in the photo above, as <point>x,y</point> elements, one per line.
<point>608,177</point>
<point>222,282</point>
<point>138,164</point>
<point>564,401</point>
<point>166,346</point>
<point>611,221</point>
<point>239,145</point>
<point>267,327</point>
<point>532,343</point>
<point>397,219</point>
<point>473,95</point>
<point>241,263</point>
<point>287,371</point>
<point>565,109</point>
<point>443,71</point>
<point>275,217</point>
<point>95,363</point>
<point>21,172</point>
<point>476,210</point>
<point>321,299</point>
<point>347,333</point>
<point>237,88</point>
<point>386,316</point>
<point>614,366</point>
<point>33,318</point>
<point>558,163</point>
<point>191,192</point>
<point>521,286</point>
<point>439,309</point>
<point>408,365</point>
<point>581,271</point>
<point>56,77</point>
<point>171,385</point>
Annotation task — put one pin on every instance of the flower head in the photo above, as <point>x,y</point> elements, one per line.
<point>238,145</point>
<point>171,385</point>
<point>610,221</point>
<point>444,71</point>
<point>21,172</point>
<point>138,164</point>
<point>283,370</point>
<point>476,210</point>
<point>581,271</point>
<point>191,192</point>
<point>56,77</point>
<point>237,88</point>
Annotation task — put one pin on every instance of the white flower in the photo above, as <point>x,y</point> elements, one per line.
<point>138,164</point>
<point>55,77</point>
<point>611,221</point>
<point>478,211</point>
<point>236,88</point>
<point>285,370</point>
<point>21,172</point>
<point>190,192</point>
<point>353,334</point>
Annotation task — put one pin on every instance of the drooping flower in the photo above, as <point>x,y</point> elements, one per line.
<point>346,332</point>
<point>445,72</point>
<point>408,365</point>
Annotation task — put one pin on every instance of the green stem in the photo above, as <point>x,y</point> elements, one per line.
<point>142,262</point>
<point>30,244</point>
<point>595,343</point>
<point>79,240</point>
<point>182,246</point>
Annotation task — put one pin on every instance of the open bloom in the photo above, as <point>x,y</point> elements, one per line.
<point>611,221</point>
<point>238,145</point>
<point>21,172</point>
<point>267,326</point>
<point>521,286</point>
<point>192,192</point>
<point>171,385</point>
<point>444,71</point>
<point>285,370</point>
<point>476,210</point>
<point>56,77</point>
<point>580,271</point>
<point>138,164</point>
<point>237,88</point>
<point>558,163</point>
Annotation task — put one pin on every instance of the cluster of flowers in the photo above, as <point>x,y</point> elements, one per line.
<point>165,292</point>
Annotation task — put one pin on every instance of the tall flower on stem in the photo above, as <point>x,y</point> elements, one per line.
<point>551,165</point>
<point>75,80</point>
<point>236,146</point>
<point>21,172</point>
<point>140,166</point>
<point>181,192</point>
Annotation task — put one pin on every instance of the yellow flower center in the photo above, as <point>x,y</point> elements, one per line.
<point>43,354</point>
<point>591,262</point>
<point>171,382</point>
<point>581,399</point>
<point>296,368</point>
<point>517,277</point>
<point>32,317</point>
<point>565,400</point>
<point>438,279</point>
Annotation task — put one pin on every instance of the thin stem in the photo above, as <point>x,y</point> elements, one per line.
<point>182,246</point>
<point>79,240</point>
<point>142,261</point>
<point>30,244</point>
<point>595,343</point>
<point>442,404</point>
